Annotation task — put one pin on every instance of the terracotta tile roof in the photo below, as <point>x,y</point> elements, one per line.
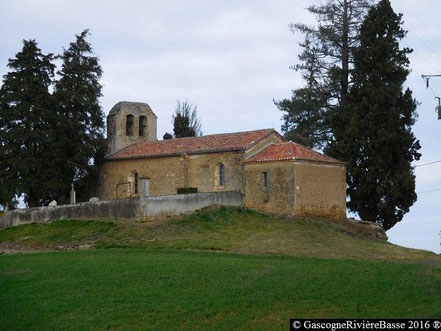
<point>291,151</point>
<point>193,145</point>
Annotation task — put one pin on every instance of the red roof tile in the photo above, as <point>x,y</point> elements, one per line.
<point>193,145</point>
<point>291,151</point>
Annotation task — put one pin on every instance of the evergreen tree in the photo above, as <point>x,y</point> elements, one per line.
<point>27,122</point>
<point>328,47</point>
<point>336,36</point>
<point>376,139</point>
<point>8,179</point>
<point>304,119</point>
<point>185,121</point>
<point>81,130</point>
<point>9,184</point>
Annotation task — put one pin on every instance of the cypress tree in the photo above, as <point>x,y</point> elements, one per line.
<point>27,122</point>
<point>81,130</point>
<point>9,184</point>
<point>376,139</point>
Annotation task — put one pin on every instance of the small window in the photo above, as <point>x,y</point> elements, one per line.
<point>135,184</point>
<point>265,179</point>
<point>142,125</point>
<point>221,175</point>
<point>129,125</point>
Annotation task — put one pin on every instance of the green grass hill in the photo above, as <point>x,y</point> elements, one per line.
<point>223,268</point>
<point>229,229</point>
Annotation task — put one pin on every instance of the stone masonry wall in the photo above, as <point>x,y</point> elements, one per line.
<point>123,208</point>
<point>167,174</point>
<point>184,203</point>
<point>132,208</point>
<point>297,188</point>
<point>278,197</point>
<point>320,189</point>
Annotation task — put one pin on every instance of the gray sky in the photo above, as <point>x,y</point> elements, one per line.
<point>231,58</point>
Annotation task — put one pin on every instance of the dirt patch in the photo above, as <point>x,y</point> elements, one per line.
<point>360,229</point>
<point>22,250</point>
<point>357,229</point>
<point>14,248</point>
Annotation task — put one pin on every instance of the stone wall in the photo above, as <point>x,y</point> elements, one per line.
<point>320,189</point>
<point>279,196</point>
<point>184,203</point>
<point>297,188</point>
<point>131,208</point>
<point>123,208</point>
<point>167,174</point>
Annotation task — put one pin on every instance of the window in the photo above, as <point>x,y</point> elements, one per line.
<point>135,184</point>
<point>142,125</point>
<point>265,179</point>
<point>129,125</point>
<point>221,175</point>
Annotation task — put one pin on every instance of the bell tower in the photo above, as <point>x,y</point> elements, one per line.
<point>128,123</point>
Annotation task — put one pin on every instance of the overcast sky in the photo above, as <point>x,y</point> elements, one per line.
<point>231,58</point>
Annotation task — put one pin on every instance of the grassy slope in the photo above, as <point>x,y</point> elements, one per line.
<point>156,286</point>
<point>226,229</point>
<point>169,289</point>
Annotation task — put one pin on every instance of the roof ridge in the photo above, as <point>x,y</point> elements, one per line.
<point>217,134</point>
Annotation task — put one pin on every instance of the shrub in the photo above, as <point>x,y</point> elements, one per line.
<point>187,190</point>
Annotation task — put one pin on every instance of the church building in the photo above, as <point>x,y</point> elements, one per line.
<point>273,174</point>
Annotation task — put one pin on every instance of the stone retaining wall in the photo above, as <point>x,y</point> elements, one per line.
<point>130,208</point>
<point>183,203</point>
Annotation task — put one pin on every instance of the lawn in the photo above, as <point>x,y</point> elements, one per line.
<point>178,289</point>
<point>223,229</point>
<point>224,268</point>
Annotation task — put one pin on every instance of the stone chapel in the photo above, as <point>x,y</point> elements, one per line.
<point>272,174</point>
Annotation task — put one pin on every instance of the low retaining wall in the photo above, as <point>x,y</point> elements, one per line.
<point>130,208</point>
<point>168,205</point>
<point>123,208</point>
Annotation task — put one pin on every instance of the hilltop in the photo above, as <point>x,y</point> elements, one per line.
<point>229,229</point>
